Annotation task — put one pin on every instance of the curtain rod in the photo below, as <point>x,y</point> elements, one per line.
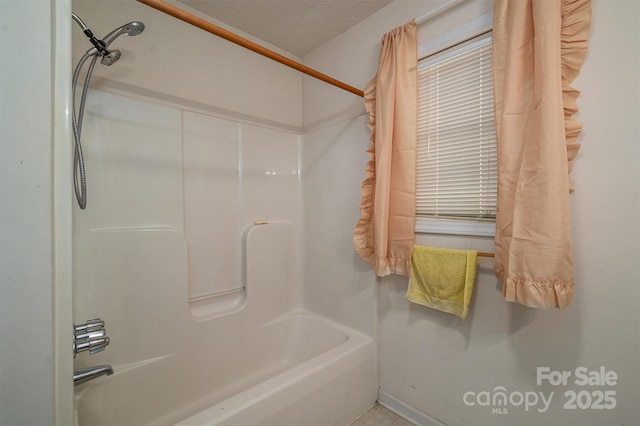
<point>438,11</point>
<point>234,38</point>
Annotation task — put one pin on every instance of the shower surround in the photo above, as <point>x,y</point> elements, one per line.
<point>189,250</point>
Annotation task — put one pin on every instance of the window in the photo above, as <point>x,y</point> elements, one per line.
<point>456,152</point>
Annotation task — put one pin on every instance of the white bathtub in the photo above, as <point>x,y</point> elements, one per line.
<point>265,361</point>
<point>321,372</point>
<point>312,372</point>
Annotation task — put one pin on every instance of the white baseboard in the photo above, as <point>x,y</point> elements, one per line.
<point>405,411</point>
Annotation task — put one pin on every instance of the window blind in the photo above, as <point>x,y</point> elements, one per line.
<point>456,153</point>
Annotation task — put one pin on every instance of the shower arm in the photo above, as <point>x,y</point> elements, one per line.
<point>80,22</point>
<point>99,45</point>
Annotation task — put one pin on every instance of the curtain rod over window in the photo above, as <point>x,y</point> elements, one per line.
<point>438,11</point>
<point>234,38</point>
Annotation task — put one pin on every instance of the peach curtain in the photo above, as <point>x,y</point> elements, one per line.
<point>538,49</point>
<point>385,233</point>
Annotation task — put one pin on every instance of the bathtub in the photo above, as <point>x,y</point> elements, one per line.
<point>313,372</point>
<point>260,360</point>
<point>320,371</point>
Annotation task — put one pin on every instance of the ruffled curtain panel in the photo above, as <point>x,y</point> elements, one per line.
<point>538,49</point>
<point>385,233</point>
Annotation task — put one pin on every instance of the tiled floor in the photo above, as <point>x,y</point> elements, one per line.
<point>380,416</point>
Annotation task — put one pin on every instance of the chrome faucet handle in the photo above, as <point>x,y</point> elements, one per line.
<point>93,345</point>
<point>90,336</point>
<point>92,324</point>
<point>93,334</point>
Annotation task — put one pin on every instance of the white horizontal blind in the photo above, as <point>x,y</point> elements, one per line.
<point>456,153</point>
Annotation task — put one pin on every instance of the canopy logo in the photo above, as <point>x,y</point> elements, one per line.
<point>500,400</point>
<point>594,397</point>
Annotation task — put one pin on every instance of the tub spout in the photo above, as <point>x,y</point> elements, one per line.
<point>86,374</point>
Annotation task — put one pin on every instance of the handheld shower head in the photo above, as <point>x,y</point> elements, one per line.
<point>108,58</point>
<point>131,29</point>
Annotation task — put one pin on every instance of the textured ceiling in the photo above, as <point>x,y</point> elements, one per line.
<point>297,26</point>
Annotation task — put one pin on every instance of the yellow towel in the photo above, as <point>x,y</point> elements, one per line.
<point>442,279</point>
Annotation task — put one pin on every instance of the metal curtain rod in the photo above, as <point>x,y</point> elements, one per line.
<point>234,38</point>
<point>438,11</point>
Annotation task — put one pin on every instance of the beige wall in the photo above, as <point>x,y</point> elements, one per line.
<point>429,360</point>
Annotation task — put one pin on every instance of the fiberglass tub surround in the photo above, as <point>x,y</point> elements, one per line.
<point>201,304</point>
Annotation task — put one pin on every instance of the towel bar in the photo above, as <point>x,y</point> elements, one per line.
<point>482,254</point>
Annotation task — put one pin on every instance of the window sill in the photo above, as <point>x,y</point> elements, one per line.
<point>455,227</point>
